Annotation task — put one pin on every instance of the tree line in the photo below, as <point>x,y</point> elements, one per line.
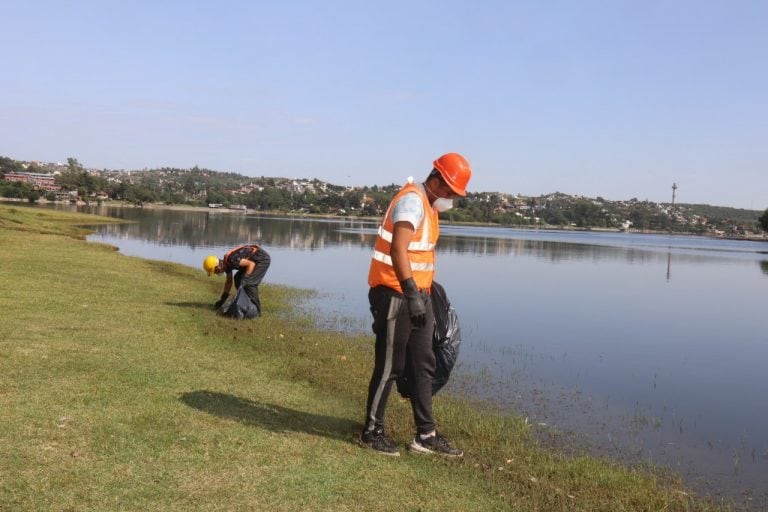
<point>199,187</point>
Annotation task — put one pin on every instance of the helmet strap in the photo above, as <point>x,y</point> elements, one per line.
<point>430,192</point>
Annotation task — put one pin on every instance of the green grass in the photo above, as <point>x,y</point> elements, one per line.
<point>122,390</point>
<point>36,220</point>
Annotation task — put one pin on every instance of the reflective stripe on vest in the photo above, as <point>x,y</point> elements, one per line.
<point>387,259</point>
<point>421,245</point>
<point>421,248</point>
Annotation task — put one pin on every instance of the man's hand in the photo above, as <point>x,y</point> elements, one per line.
<point>221,300</point>
<point>417,310</point>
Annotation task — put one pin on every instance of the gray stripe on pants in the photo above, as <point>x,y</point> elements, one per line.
<point>394,307</point>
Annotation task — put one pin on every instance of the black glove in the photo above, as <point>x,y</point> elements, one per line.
<point>417,310</point>
<point>221,300</point>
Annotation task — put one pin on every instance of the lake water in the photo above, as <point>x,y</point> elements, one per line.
<point>647,346</point>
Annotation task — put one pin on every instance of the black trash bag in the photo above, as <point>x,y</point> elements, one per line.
<point>446,339</point>
<point>445,343</point>
<point>241,307</point>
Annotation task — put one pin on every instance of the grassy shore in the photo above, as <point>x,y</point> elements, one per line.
<point>122,390</point>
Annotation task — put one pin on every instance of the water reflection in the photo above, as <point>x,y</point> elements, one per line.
<point>208,229</point>
<point>216,229</point>
<point>669,266</point>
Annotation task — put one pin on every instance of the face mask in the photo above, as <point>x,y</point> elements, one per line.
<point>443,204</point>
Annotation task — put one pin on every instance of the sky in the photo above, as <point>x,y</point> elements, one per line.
<point>614,99</point>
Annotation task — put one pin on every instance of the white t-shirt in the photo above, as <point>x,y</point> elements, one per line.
<point>409,208</point>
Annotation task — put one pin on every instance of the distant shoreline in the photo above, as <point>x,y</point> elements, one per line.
<point>248,211</point>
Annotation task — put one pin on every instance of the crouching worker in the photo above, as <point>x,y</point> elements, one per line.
<point>251,263</point>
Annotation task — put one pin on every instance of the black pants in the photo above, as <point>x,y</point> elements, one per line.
<point>252,282</point>
<point>395,334</point>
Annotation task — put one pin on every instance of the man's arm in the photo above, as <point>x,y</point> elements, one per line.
<point>228,283</point>
<point>407,215</point>
<point>225,293</point>
<point>398,249</point>
<point>247,265</point>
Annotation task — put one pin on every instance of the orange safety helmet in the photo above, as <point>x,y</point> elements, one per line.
<point>455,170</point>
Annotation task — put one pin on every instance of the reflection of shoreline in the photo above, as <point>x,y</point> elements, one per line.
<point>376,219</point>
<point>200,226</point>
<point>196,227</point>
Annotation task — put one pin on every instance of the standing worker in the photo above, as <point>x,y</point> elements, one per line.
<point>400,277</point>
<point>251,262</point>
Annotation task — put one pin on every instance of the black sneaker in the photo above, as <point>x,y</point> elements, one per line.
<point>376,440</point>
<point>434,444</point>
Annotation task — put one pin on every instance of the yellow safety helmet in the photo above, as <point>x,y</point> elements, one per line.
<point>210,263</point>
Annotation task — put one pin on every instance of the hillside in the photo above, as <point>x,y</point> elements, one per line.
<point>201,187</point>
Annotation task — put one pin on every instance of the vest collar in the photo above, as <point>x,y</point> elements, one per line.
<point>424,192</point>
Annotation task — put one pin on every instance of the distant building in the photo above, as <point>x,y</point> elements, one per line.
<point>64,195</point>
<point>38,180</point>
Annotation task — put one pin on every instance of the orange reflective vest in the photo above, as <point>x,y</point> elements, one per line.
<point>254,248</point>
<point>421,249</point>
